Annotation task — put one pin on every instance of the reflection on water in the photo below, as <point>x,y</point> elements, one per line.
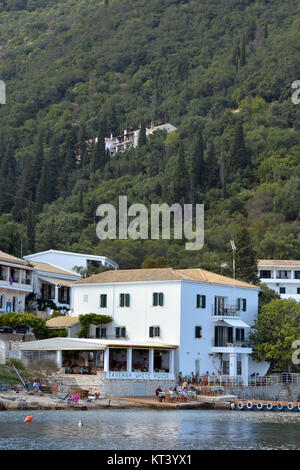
<point>145,429</point>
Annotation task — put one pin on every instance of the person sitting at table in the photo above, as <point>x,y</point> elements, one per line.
<point>158,390</point>
<point>184,385</point>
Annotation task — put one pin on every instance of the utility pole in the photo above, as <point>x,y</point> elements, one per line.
<point>233,247</point>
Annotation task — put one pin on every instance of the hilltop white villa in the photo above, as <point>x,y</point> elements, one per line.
<point>163,321</point>
<point>130,139</point>
<point>282,276</point>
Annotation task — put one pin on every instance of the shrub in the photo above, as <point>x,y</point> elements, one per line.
<point>15,362</point>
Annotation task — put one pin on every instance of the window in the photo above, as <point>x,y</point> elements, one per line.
<point>239,368</point>
<point>283,274</point>
<point>124,300</point>
<point>198,331</point>
<point>240,334</point>
<point>298,290</point>
<point>103,300</point>
<point>225,367</point>
<point>154,331</point>
<point>282,290</point>
<point>242,304</point>
<point>158,299</point>
<point>100,332</point>
<point>201,301</point>
<point>2,301</point>
<point>265,274</point>
<point>297,274</point>
<point>120,332</point>
<point>15,304</point>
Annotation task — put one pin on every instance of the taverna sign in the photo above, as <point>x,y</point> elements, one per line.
<point>139,375</point>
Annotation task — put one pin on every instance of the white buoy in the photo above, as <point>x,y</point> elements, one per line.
<point>80,423</point>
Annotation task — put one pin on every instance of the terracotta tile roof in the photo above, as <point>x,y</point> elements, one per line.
<point>278,262</point>
<point>62,322</point>
<point>161,274</point>
<point>50,268</point>
<point>13,259</point>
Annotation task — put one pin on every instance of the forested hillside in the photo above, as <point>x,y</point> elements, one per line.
<point>219,70</point>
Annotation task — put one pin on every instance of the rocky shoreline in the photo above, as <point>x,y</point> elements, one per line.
<point>12,401</point>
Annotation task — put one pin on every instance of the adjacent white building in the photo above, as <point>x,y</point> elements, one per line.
<point>68,260</point>
<point>282,276</point>
<point>53,283</point>
<point>16,281</point>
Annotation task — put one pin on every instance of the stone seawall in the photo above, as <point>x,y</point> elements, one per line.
<point>111,387</point>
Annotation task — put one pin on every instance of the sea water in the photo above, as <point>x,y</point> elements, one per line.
<point>149,429</point>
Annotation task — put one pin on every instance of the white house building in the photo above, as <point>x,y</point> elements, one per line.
<point>68,260</point>
<point>53,283</point>
<point>282,276</point>
<point>164,321</point>
<point>16,281</point>
<point>129,139</point>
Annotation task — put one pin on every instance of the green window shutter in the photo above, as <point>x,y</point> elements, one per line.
<point>155,298</point>
<point>203,304</point>
<point>161,299</point>
<point>239,304</point>
<point>198,331</point>
<point>117,332</point>
<point>242,334</point>
<point>198,301</point>
<point>151,331</point>
<point>244,305</point>
<point>127,300</point>
<point>123,332</point>
<point>121,300</point>
<point>103,300</point>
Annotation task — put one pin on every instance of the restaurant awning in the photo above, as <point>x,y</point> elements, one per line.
<point>61,344</point>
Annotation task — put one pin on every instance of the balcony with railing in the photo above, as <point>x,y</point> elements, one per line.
<point>225,311</point>
<point>234,343</point>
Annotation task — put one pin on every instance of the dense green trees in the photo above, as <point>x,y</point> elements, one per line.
<point>83,70</point>
<point>275,330</point>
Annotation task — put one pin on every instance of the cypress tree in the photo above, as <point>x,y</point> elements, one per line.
<point>238,155</point>
<point>43,190</point>
<point>197,163</point>
<point>99,155</point>
<point>7,181</point>
<point>30,227</point>
<point>180,178</point>
<point>36,167</point>
<point>243,52</point>
<point>142,135</point>
<point>82,144</point>
<point>245,258</point>
<point>211,169</point>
